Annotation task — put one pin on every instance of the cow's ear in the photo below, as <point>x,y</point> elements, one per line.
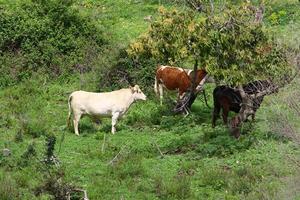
<point>136,88</point>
<point>132,89</point>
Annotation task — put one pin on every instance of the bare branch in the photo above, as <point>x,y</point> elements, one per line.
<point>156,145</point>
<point>103,144</point>
<point>199,88</point>
<point>85,197</point>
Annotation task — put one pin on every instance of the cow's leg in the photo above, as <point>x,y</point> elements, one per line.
<point>76,119</point>
<point>114,120</point>
<point>161,91</point>
<point>225,113</point>
<point>216,113</point>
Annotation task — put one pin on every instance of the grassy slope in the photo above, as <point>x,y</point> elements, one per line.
<point>197,163</point>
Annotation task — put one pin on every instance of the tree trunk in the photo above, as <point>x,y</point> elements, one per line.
<point>245,111</point>
<point>183,105</point>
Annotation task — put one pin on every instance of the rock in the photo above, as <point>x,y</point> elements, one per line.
<point>6,152</point>
<point>148,18</point>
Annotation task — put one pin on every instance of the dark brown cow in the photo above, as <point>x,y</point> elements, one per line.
<point>228,99</point>
<point>174,78</point>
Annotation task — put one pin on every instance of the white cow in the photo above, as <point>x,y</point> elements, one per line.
<point>107,104</point>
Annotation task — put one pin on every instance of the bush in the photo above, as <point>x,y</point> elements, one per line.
<point>49,36</point>
<point>126,71</point>
<point>27,155</point>
<point>34,127</point>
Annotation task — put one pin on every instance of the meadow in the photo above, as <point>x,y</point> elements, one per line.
<point>154,153</point>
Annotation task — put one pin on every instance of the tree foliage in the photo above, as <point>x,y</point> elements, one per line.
<point>231,45</point>
<point>166,40</point>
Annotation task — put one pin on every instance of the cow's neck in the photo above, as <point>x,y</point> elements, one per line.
<point>129,102</point>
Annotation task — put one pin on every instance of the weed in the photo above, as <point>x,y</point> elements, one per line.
<point>19,136</point>
<point>27,155</point>
<point>128,166</point>
<point>8,187</point>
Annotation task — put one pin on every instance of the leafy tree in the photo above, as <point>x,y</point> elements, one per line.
<point>167,38</point>
<point>233,46</point>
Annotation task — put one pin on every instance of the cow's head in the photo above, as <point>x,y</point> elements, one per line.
<point>137,93</point>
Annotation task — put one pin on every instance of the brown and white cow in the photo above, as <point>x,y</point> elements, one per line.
<point>107,104</point>
<point>175,78</point>
<point>209,79</point>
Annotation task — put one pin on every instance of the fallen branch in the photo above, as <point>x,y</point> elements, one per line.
<point>116,156</point>
<point>161,153</point>
<point>85,197</point>
<point>103,144</point>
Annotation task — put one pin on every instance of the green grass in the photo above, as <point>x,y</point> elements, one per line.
<point>124,20</point>
<point>159,155</point>
<point>197,161</point>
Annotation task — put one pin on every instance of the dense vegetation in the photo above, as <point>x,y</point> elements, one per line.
<point>51,48</point>
<point>47,36</point>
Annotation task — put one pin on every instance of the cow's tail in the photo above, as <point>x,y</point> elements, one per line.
<point>156,90</point>
<point>70,111</point>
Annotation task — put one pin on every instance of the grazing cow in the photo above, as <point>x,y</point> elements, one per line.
<point>230,100</point>
<point>107,104</point>
<point>174,78</point>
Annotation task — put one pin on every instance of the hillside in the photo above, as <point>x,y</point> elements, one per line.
<point>154,154</point>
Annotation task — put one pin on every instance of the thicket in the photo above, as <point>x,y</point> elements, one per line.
<point>50,37</point>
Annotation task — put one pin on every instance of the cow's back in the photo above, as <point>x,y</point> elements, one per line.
<point>226,95</point>
<point>99,103</point>
<point>172,77</point>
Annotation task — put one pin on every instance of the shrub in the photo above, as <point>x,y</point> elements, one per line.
<point>27,155</point>
<point>19,136</point>
<point>127,71</point>
<point>34,127</point>
<point>49,36</point>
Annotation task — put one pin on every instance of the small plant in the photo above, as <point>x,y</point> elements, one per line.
<point>33,127</point>
<point>277,17</point>
<point>179,187</point>
<point>30,152</point>
<point>49,154</point>
<point>19,136</point>
<point>54,183</point>
<point>27,155</point>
